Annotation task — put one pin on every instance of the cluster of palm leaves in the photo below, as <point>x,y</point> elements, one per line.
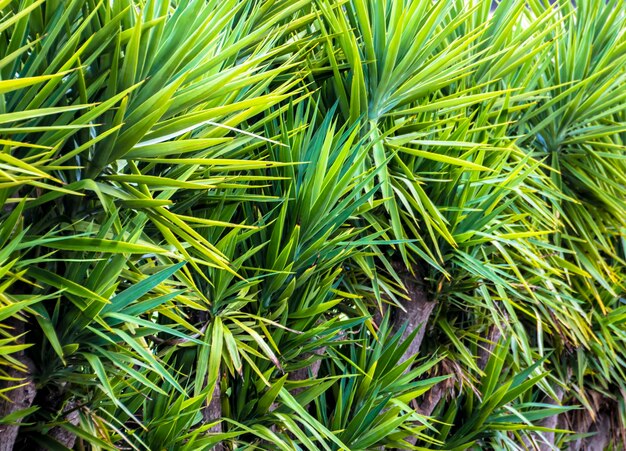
<point>312,224</point>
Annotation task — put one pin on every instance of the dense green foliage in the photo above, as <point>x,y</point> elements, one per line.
<point>219,206</point>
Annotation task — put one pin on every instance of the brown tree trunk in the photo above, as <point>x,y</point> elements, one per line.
<point>603,421</point>
<point>62,435</point>
<point>22,396</point>
<point>416,315</point>
<point>213,412</point>
<point>432,398</point>
<point>602,428</point>
<point>302,374</point>
<point>493,337</point>
<point>546,439</point>
<point>417,309</point>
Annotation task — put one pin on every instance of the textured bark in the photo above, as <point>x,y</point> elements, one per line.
<point>545,440</point>
<point>603,421</point>
<point>61,435</point>
<point>432,398</point>
<point>441,390</point>
<point>19,398</point>
<point>213,412</point>
<point>417,308</point>
<point>603,432</point>
<point>302,374</point>
<point>416,314</point>
<point>577,421</point>
<point>493,336</point>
